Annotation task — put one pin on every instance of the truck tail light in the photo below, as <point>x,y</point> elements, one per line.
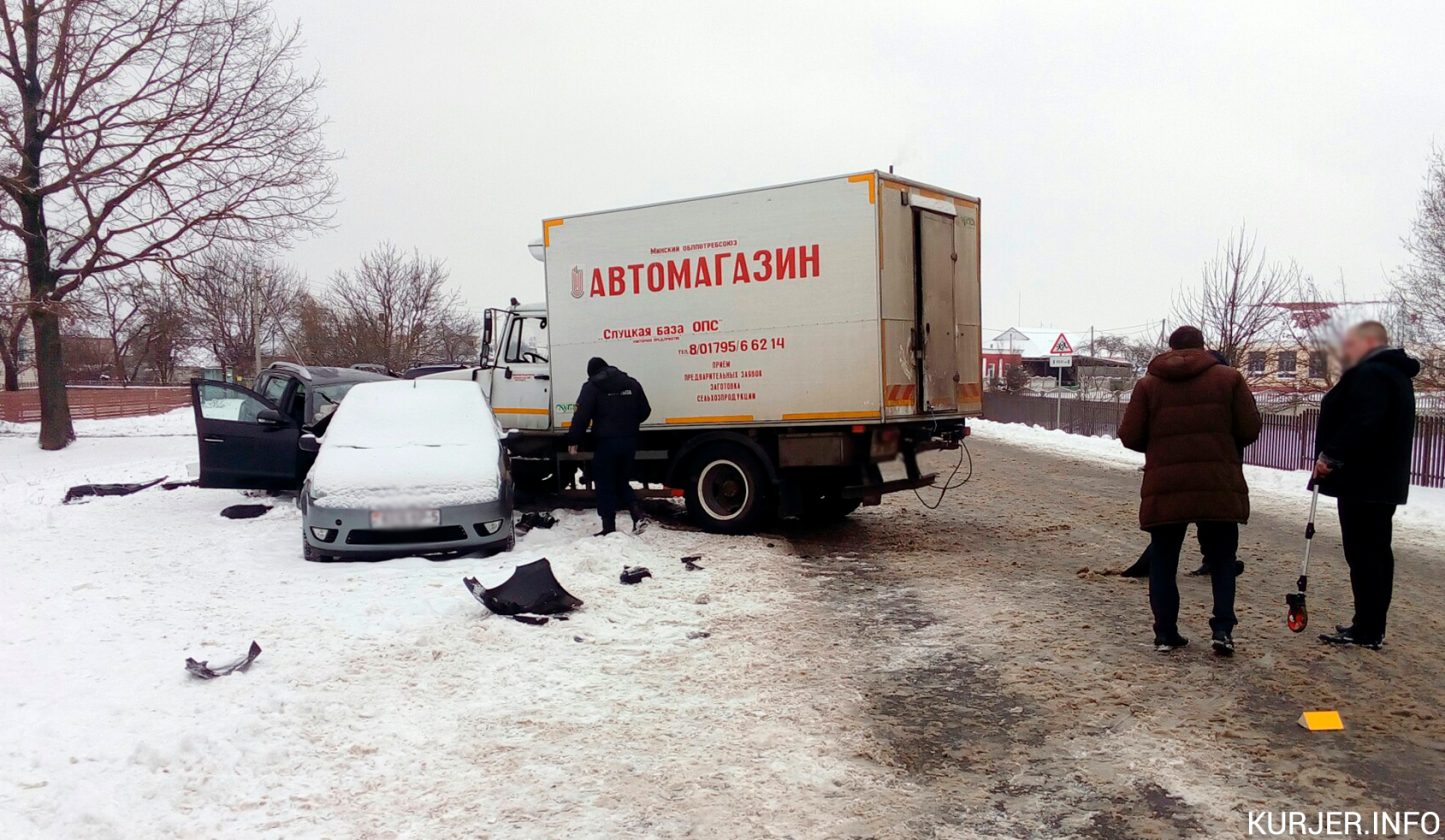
<point>885,442</point>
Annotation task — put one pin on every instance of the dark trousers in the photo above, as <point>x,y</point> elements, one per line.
<point>611,469</point>
<point>1220,542</point>
<point>1366,529</point>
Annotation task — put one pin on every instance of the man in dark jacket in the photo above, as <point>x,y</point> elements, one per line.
<point>1191,416</point>
<point>1363,440</point>
<point>614,405</point>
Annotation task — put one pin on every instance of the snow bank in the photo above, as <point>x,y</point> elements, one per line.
<point>177,422</point>
<point>387,702</point>
<point>1425,511</point>
<point>409,444</point>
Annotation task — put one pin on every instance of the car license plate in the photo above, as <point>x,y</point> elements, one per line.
<point>406,518</point>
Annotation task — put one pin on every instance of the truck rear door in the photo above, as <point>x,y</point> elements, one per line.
<point>936,260</point>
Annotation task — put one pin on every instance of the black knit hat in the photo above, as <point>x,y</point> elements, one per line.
<point>596,365</point>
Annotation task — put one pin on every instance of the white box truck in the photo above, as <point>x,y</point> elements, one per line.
<point>790,339</point>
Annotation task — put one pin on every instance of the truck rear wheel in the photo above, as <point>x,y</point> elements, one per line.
<point>727,490</point>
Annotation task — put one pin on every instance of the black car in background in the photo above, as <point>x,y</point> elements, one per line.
<point>248,439</point>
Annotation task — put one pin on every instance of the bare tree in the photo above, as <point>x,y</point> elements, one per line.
<point>1236,301</point>
<point>1138,353</point>
<point>166,335</point>
<point>1419,287</point>
<point>145,131</point>
<point>113,311</point>
<point>14,318</point>
<point>1313,321</point>
<point>233,302</point>
<point>396,309</point>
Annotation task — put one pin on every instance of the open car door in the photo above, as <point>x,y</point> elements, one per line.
<point>245,441</point>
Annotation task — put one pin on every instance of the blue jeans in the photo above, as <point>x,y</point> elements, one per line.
<point>1220,542</point>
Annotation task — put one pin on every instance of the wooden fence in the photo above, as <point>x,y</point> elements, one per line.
<point>1287,441</point>
<point>94,403</point>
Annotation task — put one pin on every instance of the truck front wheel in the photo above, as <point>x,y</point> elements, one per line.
<point>727,490</point>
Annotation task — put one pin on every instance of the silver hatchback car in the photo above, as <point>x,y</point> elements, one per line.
<point>406,468</point>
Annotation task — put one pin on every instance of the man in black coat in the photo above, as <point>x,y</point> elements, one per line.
<point>614,405</point>
<point>1363,440</point>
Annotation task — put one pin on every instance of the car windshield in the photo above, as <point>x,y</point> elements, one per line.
<point>328,397</point>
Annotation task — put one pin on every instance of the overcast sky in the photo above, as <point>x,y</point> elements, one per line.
<point>1113,144</point>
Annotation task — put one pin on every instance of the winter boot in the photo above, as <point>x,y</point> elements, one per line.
<point>1169,644</point>
<point>1348,637</point>
<point>1222,643</point>
<point>639,519</point>
<point>609,525</point>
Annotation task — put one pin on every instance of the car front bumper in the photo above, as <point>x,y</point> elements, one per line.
<point>461,529</point>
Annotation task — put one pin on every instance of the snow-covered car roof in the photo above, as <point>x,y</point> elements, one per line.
<point>421,443</point>
<point>417,412</point>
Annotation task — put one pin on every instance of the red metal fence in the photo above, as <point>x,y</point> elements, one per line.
<point>94,403</point>
<point>1287,441</point>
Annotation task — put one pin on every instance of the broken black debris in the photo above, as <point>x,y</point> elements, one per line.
<point>244,511</point>
<point>531,590</point>
<point>535,519</point>
<point>85,491</point>
<point>634,574</point>
<point>204,670</point>
<point>690,562</point>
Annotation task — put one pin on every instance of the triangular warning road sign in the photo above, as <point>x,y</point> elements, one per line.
<point>1061,347</point>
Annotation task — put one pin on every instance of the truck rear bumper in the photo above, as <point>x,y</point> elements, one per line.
<point>872,494</point>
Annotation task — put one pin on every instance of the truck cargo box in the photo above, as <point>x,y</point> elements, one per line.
<point>852,299</point>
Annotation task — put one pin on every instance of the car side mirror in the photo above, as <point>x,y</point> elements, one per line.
<point>269,417</point>
<point>309,443</point>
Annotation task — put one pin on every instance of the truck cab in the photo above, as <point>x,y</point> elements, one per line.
<point>516,357</point>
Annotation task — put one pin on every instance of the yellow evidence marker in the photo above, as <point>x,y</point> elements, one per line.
<point>1322,721</point>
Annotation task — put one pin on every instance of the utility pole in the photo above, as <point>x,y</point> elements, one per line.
<point>1059,401</point>
<point>256,326</point>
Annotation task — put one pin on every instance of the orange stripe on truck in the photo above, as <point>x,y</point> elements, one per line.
<point>539,412</point>
<point>872,185</point>
<point>895,396</point>
<point>547,226</point>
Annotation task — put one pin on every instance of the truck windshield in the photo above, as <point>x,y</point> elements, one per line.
<point>527,341</point>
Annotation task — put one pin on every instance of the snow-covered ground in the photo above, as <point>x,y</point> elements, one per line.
<point>784,690</point>
<point>180,422</point>
<point>387,702</point>
<point>1279,489</point>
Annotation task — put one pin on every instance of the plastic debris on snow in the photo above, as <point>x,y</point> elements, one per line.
<point>690,562</point>
<point>634,574</point>
<point>244,511</point>
<point>204,671</point>
<point>532,590</point>
<point>535,519</point>
<point>86,491</point>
